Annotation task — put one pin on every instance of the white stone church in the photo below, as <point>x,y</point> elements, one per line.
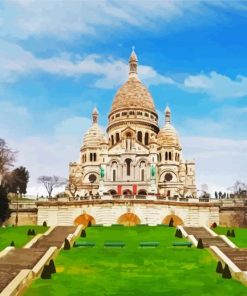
<point>135,156</point>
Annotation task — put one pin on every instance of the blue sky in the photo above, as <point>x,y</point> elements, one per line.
<point>59,59</point>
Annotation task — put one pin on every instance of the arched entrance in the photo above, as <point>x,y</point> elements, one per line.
<point>129,219</point>
<point>142,192</point>
<point>127,192</point>
<point>112,192</point>
<point>85,220</point>
<point>176,220</point>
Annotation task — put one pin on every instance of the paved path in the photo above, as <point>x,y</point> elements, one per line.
<point>238,256</point>
<point>16,260</point>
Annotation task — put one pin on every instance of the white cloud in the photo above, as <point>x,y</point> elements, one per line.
<point>63,19</point>
<point>218,86</point>
<point>219,162</point>
<point>16,62</point>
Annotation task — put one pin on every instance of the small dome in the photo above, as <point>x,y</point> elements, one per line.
<point>133,94</point>
<point>93,137</point>
<point>168,136</point>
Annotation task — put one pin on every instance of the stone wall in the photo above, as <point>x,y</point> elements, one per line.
<point>25,217</point>
<point>233,217</point>
<point>108,212</point>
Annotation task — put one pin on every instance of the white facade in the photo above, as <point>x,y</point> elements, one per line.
<point>135,156</point>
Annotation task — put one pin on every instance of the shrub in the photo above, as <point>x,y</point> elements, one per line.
<point>33,232</point>
<point>66,245</point>
<point>83,233</point>
<point>46,274</point>
<point>179,233</point>
<point>171,222</point>
<point>44,224</point>
<point>214,225</point>
<point>200,244</point>
<point>228,233</point>
<point>12,244</point>
<point>52,267</point>
<point>233,233</point>
<point>219,268</point>
<point>226,274</point>
<point>29,232</point>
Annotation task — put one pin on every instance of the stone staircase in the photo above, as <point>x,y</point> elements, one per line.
<point>207,238</point>
<point>26,258</point>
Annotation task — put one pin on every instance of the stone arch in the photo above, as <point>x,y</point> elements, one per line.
<point>176,220</point>
<point>127,192</point>
<point>142,192</point>
<point>84,219</point>
<point>129,219</point>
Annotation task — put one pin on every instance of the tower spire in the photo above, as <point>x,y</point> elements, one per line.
<point>167,115</point>
<point>95,115</point>
<point>133,61</point>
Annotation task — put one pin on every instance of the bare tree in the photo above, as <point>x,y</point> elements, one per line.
<point>7,158</point>
<point>239,189</point>
<point>51,182</point>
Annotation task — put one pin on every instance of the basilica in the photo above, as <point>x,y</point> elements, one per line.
<point>134,156</point>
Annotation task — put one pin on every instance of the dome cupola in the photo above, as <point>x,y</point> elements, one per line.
<point>94,135</point>
<point>168,135</point>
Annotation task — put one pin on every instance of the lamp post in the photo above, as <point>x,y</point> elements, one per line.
<point>17,206</point>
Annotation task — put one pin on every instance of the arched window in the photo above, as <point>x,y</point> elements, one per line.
<point>112,140</point>
<point>91,156</point>
<point>128,161</point>
<point>142,175</point>
<point>170,156</point>
<point>146,138</point>
<point>178,156</point>
<point>117,137</point>
<point>160,156</point>
<point>114,175</point>
<point>139,136</point>
<point>94,157</point>
<point>166,156</point>
<point>168,193</point>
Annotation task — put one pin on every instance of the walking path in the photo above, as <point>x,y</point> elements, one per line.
<point>26,258</point>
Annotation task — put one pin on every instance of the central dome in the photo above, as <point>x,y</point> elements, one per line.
<point>133,94</point>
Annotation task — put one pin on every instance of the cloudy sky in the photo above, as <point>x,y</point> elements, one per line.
<point>60,58</point>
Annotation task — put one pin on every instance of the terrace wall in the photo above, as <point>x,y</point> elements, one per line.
<point>108,212</point>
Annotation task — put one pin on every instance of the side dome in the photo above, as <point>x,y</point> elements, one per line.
<point>133,94</point>
<point>94,136</point>
<point>168,135</point>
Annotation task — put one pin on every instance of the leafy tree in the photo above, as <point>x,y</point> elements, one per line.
<point>18,178</point>
<point>7,158</point>
<point>46,273</point>
<point>233,233</point>
<point>51,182</point>
<point>4,205</point>
<point>216,194</point>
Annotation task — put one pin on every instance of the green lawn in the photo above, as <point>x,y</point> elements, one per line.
<point>18,235</point>
<point>134,271</point>
<point>241,235</point>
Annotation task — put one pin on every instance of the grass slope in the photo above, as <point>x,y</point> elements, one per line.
<point>135,271</point>
<point>18,235</point>
<point>241,235</point>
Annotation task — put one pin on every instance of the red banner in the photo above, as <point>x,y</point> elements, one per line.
<point>119,189</point>
<point>134,188</point>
